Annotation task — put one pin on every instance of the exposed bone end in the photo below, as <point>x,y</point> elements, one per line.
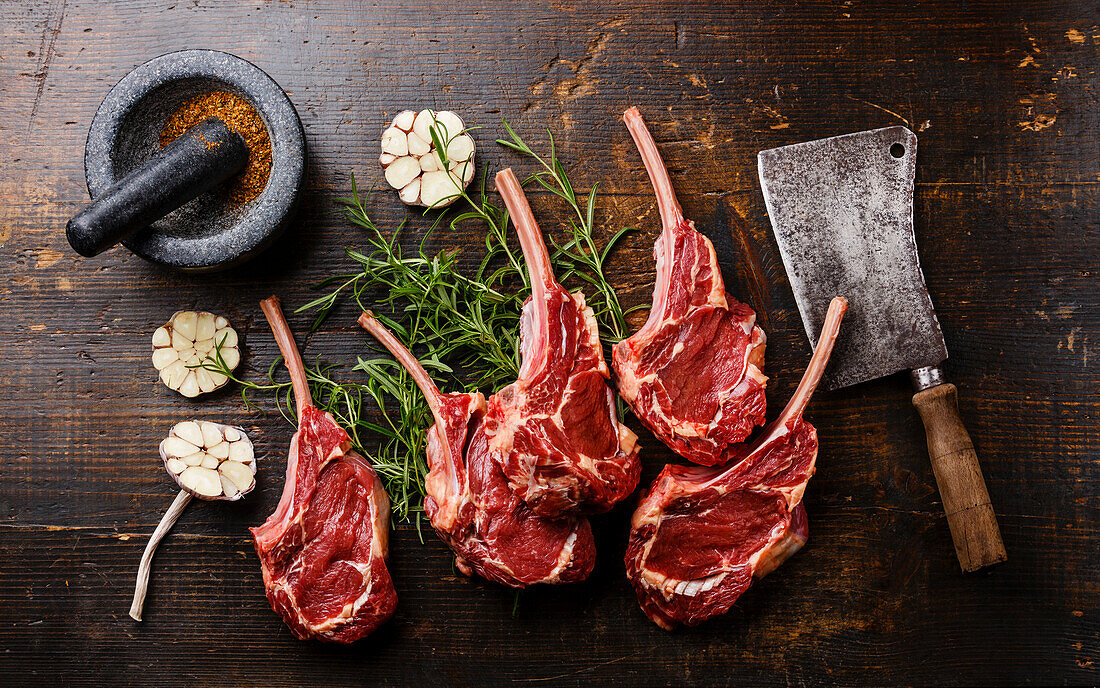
<point>210,460</point>
<point>185,343</point>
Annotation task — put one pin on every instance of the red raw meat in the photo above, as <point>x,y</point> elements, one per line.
<point>555,431</point>
<point>323,550</point>
<point>693,373</point>
<point>701,535</point>
<point>491,530</point>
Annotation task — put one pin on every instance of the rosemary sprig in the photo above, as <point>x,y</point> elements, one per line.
<point>463,325</point>
<point>578,257</point>
<point>400,460</point>
<point>470,323</point>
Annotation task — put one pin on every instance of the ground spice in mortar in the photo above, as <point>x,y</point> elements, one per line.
<point>239,116</point>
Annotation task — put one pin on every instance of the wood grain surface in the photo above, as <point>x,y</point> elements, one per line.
<point>1004,99</point>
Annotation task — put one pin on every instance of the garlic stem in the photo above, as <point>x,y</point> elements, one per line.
<point>166,523</point>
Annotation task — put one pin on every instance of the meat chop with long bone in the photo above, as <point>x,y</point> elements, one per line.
<point>469,503</point>
<point>555,431</point>
<point>693,373</point>
<point>701,535</point>
<point>323,550</point>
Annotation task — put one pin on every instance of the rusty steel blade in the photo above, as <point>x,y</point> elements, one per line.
<point>842,212</point>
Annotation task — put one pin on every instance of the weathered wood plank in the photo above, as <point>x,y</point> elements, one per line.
<point>1003,99</point>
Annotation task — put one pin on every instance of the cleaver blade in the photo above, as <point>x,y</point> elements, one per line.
<point>842,212</point>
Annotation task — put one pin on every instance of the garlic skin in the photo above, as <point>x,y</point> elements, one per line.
<point>181,345</point>
<point>414,167</point>
<point>210,460</point>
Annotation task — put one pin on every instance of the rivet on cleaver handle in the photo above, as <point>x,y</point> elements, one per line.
<point>842,211</point>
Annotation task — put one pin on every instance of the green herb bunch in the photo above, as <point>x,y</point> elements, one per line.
<point>463,325</point>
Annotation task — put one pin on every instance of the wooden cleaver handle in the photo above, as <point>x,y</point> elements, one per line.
<point>959,477</point>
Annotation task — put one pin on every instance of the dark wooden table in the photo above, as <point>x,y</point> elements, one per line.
<point>1004,101</point>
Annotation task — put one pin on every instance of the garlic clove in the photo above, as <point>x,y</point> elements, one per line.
<point>209,461</point>
<point>449,125</point>
<point>189,431</point>
<point>162,337</point>
<point>410,194</point>
<point>240,474</point>
<point>460,148</point>
<point>162,358</point>
<point>175,373</point>
<point>437,188</point>
<point>185,323</point>
<point>228,488</point>
<point>395,142</point>
<point>175,466</point>
<point>204,327</point>
<point>386,159</point>
<point>190,386</point>
<point>404,120</point>
<point>177,446</point>
<point>211,434</point>
<point>219,451</point>
<point>423,124</point>
<point>232,357</point>
<point>226,337</point>
<point>206,383</point>
<point>204,482</point>
<point>194,459</point>
<point>180,342</point>
<point>241,452</point>
<point>430,163</point>
<point>419,146</point>
<point>402,171</point>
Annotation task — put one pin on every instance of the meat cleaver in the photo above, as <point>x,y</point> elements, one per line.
<point>842,212</point>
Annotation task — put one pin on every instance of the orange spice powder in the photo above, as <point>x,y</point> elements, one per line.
<point>239,116</point>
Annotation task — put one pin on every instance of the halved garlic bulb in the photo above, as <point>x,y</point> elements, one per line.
<point>210,460</point>
<point>184,342</point>
<point>415,167</point>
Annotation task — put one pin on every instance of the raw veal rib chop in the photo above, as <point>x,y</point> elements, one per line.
<point>701,535</point>
<point>555,431</point>
<point>490,529</point>
<point>693,372</point>
<point>323,550</point>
